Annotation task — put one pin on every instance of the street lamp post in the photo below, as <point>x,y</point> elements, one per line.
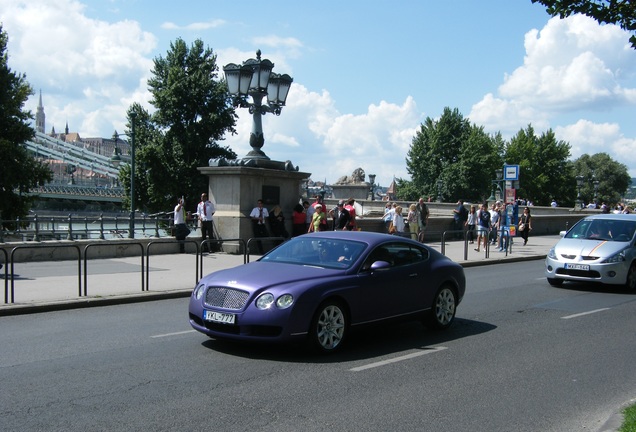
<point>579,184</point>
<point>116,160</point>
<point>440,183</point>
<point>497,185</point>
<point>255,78</point>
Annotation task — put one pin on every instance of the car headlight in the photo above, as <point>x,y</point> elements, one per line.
<point>198,291</point>
<point>552,254</point>
<point>616,258</point>
<point>284,301</point>
<point>265,301</point>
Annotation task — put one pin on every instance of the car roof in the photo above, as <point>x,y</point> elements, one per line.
<point>612,216</point>
<point>372,238</point>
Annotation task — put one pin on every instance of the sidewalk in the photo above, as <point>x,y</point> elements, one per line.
<point>47,286</point>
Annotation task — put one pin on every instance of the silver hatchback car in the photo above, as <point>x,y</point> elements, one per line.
<point>597,248</point>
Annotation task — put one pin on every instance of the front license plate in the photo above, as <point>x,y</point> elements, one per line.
<point>219,317</point>
<point>585,267</point>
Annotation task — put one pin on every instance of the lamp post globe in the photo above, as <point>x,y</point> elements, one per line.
<point>254,78</point>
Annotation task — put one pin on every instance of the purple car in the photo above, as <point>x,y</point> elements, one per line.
<point>320,285</point>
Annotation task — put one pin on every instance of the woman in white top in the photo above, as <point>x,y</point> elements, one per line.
<point>470,223</point>
<point>398,221</point>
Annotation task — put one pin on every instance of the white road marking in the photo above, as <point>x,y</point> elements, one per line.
<point>173,334</point>
<point>585,313</point>
<point>397,359</point>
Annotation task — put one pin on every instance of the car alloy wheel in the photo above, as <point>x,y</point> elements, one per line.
<point>329,327</point>
<point>442,310</point>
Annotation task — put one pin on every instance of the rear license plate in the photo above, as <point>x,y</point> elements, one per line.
<point>585,267</point>
<point>219,317</point>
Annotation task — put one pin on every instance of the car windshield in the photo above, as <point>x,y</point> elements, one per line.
<point>315,251</point>
<point>603,229</point>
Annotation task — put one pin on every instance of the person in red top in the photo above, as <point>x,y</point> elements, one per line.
<point>299,227</point>
<point>350,207</point>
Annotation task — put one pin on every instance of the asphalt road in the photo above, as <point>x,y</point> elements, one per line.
<point>522,356</point>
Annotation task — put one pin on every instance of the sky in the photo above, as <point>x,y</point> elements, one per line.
<point>366,74</point>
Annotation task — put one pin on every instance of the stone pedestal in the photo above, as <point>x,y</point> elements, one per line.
<point>235,189</point>
<point>359,191</point>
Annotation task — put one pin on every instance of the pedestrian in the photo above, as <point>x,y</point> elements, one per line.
<point>422,219</point>
<point>411,218</point>
<point>205,211</point>
<point>340,217</point>
<point>309,212</point>
<point>460,214</point>
<point>299,226</point>
<point>277,222</point>
<point>259,215</point>
<point>389,215</point>
<point>471,220</point>
<point>483,226</point>
<point>494,222</point>
<point>181,230</point>
<point>318,201</point>
<point>350,206</point>
<point>525,225</point>
<point>398,221</point>
<point>317,220</point>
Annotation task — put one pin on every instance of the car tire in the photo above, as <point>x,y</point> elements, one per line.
<point>442,312</point>
<point>555,282</point>
<point>329,327</point>
<point>630,282</point>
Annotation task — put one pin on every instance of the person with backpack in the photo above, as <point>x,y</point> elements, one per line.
<point>483,226</point>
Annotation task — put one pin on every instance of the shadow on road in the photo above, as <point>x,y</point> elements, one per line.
<point>362,344</point>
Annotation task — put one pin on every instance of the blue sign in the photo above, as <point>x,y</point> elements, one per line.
<point>511,172</point>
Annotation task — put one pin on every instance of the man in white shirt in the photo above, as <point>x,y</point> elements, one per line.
<point>181,230</point>
<point>259,215</point>
<point>205,210</point>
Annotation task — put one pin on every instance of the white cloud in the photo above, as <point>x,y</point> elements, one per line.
<point>586,137</point>
<point>86,71</point>
<point>316,137</point>
<point>571,65</point>
<point>206,25</point>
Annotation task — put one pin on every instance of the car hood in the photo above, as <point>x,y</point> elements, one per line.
<point>258,275</point>
<point>589,247</point>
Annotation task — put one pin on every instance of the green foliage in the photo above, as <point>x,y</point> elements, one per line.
<point>629,419</point>
<point>452,150</point>
<point>192,114</point>
<point>544,171</point>
<point>20,171</point>
<point>613,178</point>
<point>620,12</point>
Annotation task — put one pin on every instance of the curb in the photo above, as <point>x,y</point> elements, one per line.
<point>24,309</point>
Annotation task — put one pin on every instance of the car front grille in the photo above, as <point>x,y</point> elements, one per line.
<point>226,298</point>
<point>589,274</point>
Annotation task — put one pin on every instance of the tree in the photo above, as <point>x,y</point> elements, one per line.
<point>192,114</point>
<point>544,171</point>
<point>20,171</point>
<point>452,150</point>
<point>620,12</point>
<point>612,176</point>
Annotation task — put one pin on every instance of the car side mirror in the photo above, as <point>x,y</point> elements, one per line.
<point>380,265</point>
<point>562,233</point>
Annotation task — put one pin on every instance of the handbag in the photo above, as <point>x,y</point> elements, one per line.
<point>392,229</point>
<point>522,226</point>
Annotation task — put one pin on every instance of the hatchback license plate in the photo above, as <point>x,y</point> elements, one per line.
<point>585,267</point>
<point>219,317</point>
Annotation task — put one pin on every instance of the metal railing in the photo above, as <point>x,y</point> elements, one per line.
<point>39,228</point>
<point>82,272</point>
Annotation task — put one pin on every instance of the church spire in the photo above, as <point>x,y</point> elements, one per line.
<point>39,116</point>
